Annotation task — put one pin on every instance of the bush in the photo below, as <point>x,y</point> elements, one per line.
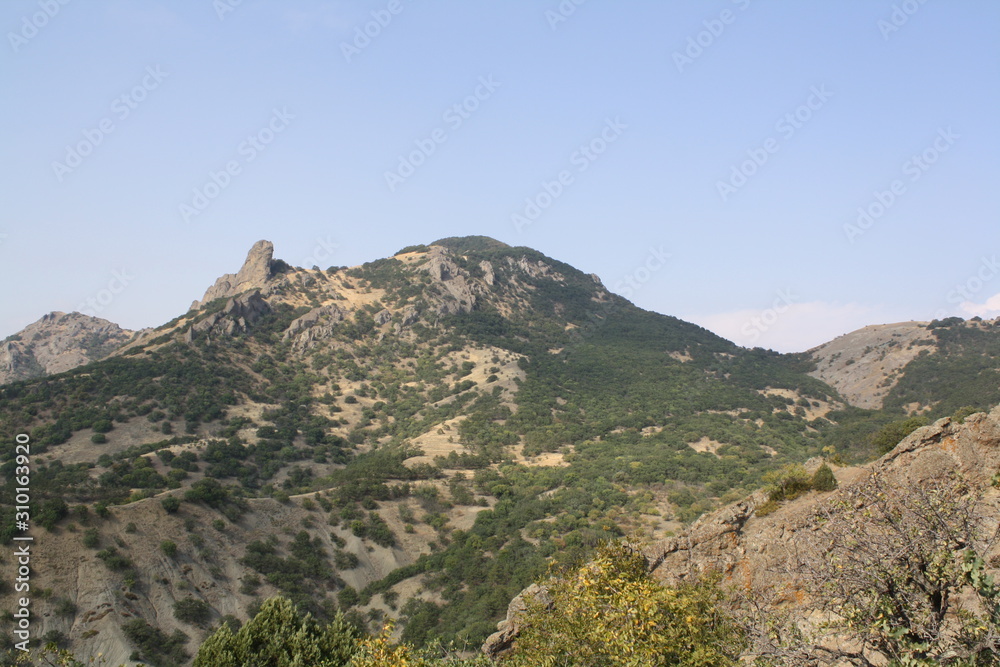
<point>98,438</point>
<point>788,482</point>
<point>890,435</point>
<point>191,610</point>
<point>155,647</point>
<point>169,548</point>
<point>823,479</point>
<point>103,426</point>
<point>612,612</point>
<point>171,504</point>
<point>91,539</point>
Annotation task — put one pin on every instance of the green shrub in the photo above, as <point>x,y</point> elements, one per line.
<point>823,479</point>
<point>91,539</point>
<point>171,504</point>
<point>280,635</point>
<point>788,482</point>
<point>890,435</point>
<point>192,610</point>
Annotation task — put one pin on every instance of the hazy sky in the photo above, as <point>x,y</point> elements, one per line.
<point>780,172</point>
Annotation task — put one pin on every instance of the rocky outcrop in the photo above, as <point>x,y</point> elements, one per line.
<point>457,294</point>
<point>502,641</point>
<point>238,316</point>
<point>57,343</point>
<point>258,269</point>
<point>317,324</point>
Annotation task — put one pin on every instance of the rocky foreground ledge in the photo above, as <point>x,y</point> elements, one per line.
<point>771,559</point>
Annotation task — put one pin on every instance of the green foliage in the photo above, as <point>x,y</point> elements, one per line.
<point>962,372</point>
<point>114,560</point>
<point>963,412</point>
<point>412,248</point>
<point>788,483</point>
<point>192,610</point>
<point>612,612</point>
<point>279,636</point>
<point>154,646</point>
<point>169,548</point>
<point>890,435</point>
<point>823,479</point>
<point>91,539</point>
<point>171,504</point>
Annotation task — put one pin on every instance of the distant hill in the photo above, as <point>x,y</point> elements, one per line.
<point>56,343</point>
<point>914,367</point>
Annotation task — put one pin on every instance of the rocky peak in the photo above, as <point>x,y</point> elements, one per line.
<point>56,343</point>
<point>256,272</point>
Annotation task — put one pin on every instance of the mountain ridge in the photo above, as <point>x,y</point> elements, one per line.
<point>436,425</point>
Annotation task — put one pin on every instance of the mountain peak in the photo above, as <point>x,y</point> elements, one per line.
<point>466,244</point>
<point>258,268</point>
<point>58,342</point>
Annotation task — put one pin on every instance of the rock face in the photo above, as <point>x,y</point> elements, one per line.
<point>257,270</point>
<point>502,641</point>
<point>239,314</point>
<point>56,343</point>
<point>315,325</point>
<point>458,294</point>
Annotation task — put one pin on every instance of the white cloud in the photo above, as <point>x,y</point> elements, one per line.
<point>790,327</point>
<point>988,309</point>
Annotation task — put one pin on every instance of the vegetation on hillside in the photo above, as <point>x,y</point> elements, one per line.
<point>546,362</point>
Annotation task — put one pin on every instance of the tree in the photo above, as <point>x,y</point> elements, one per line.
<point>279,636</point>
<point>612,612</point>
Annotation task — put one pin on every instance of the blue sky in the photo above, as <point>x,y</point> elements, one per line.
<point>779,172</point>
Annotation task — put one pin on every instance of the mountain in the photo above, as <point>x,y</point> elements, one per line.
<point>56,343</point>
<point>415,437</point>
<point>914,367</point>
